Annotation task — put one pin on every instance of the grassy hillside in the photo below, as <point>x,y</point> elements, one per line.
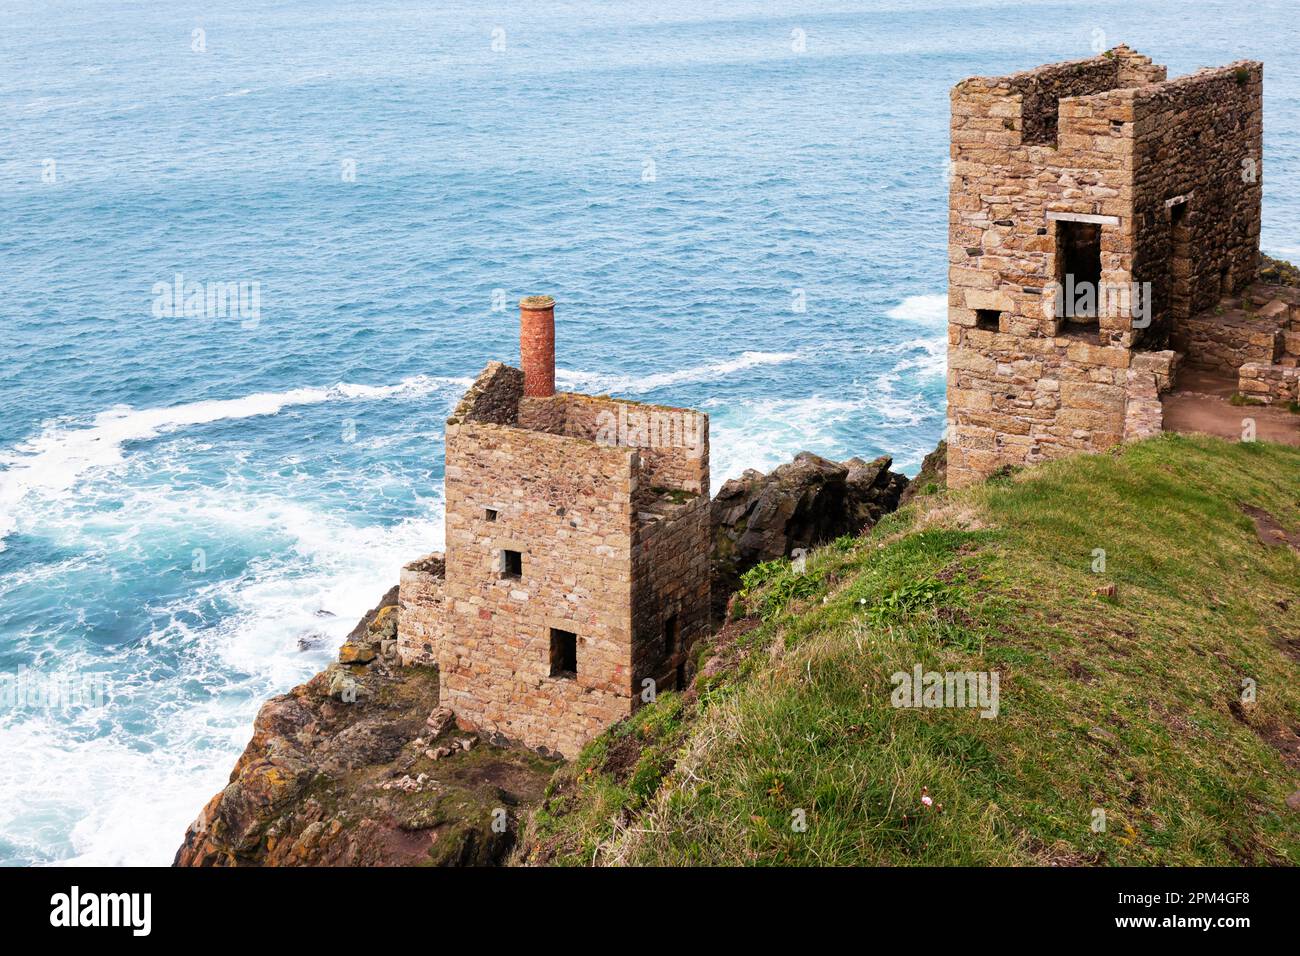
<point>1129,704</point>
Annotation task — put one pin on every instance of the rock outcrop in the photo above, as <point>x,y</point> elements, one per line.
<point>808,501</point>
<point>359,767</point>
<point>1278,271</point>
<point>932,477</point>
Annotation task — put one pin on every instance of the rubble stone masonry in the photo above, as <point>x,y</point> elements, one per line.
<point>1101,162</point>
<point>422,621</point>
<point>559,535</point>
<point>1269,383</point>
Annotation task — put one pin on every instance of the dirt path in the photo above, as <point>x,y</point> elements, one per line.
<point>1200,404</point>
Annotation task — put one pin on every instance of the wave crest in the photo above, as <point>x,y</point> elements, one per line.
<point>55,460</point>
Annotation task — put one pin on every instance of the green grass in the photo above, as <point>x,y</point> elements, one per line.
<point>1129,707</point>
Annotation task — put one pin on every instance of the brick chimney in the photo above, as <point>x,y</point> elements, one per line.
<point>537,345</point>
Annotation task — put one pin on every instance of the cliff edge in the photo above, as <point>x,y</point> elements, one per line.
<point>359,767</point>
<point>1090,662</point>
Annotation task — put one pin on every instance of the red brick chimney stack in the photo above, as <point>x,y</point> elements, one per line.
<point>537,345</point>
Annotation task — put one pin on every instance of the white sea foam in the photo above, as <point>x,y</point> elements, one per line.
<point>83,794</point>
<point>765,432</point>
<point>55,460</point>
<point>930,309</point>
<point>601,383</point>
<point>931,362</point>
<point>104,800</point>
<point>118,784</point>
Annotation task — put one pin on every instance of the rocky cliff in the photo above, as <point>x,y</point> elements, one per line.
<point>932,477</point>
<point>359,767</point>
<point>805,502</point>
<point>1122,693</point>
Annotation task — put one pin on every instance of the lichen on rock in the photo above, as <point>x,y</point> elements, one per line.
<point>341,771</point>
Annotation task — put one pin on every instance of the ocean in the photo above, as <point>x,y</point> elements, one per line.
<point>739,206</point>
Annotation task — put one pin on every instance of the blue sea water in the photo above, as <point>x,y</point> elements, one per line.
<point>183,498</point>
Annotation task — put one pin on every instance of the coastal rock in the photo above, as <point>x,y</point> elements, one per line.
<point>357,652</point>
<point>932,477</point>
<point>346,770</point>
<point>1278,271</point>
<point>311,640</point>
<point>803,503</point>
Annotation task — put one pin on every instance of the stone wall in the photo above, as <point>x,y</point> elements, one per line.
<point>1278,304</point>
<point>673,443</point>
<point>1224,341</point>
<point>1150,375</point>
<point>1006,188</point>
<point>545,414</point>
<point>1022,387</point>
<point>422,622</point>
<point>1042,89</point>
<point>1027,382</point>
<point>494,396</point>
<point>1197,175</point>
<point>1268,383</point>
<point>670,583</point>
<point>566,508</point>
<point>1017,400</point>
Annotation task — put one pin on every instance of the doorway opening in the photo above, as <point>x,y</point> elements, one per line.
<point>1078,274</point>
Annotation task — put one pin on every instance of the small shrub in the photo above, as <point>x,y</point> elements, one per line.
<point>914,598</point>
<point>769,587</point>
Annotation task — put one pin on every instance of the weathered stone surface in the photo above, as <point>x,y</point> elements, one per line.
<point>1225,339</point>
<point>805,502</point>
<point>1166,172</point>
<point>357,652</point>
<point>1269,383</point>
<point>572,521</point>
<point>338,774</point>
<point>1278,272</point>
<point>422,622</point>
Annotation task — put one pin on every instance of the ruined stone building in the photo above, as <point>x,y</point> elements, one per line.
<point>576,574</point>
<point>1103,232</point>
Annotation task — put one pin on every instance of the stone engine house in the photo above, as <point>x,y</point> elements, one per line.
<point>1102,173</point>
<point>577,557</point>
